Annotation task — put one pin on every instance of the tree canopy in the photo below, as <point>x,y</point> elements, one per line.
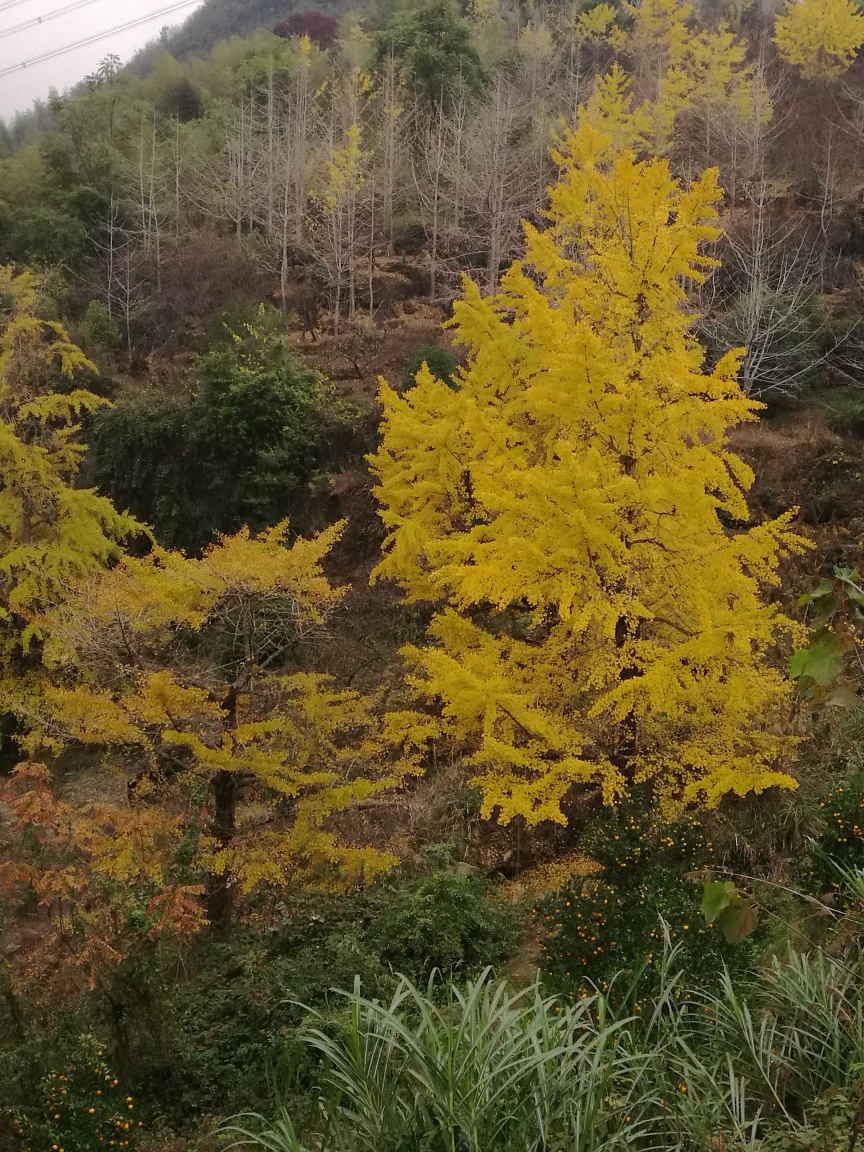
<point>236,453</point>
<point>434,49</point>
<point>566,508</point>
<point>820,37</point>
<point>50,531</point>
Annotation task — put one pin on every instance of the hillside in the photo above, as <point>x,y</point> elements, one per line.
<point>431,611</point>
<point>219,20</point>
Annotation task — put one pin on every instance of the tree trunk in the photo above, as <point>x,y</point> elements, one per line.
<point>623,755</point>
<point>219,902</point>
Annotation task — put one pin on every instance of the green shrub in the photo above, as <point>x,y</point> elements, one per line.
<point>40,236</point>
<point>433,47</point>
<point>841,841</point>
<point>196,1034</point>
<point>785,336</point>
<point>101,326</point>
<point>611,922</point>
<point>84,1107</point>
<point>444,921</point>
<point>440,361</point>
<point>844,411</point>
<point>238,1010</point>
<point>236,453</point>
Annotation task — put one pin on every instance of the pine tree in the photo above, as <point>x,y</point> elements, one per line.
<point>576,513</point>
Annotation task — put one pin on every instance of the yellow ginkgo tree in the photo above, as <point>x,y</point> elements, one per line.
<point>574,510</point>
<point>682,71</point>
<point>820,38</point>
<point>186,679</point>
<point>50,531</point>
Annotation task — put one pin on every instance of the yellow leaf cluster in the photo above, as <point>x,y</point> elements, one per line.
<point>552,876</point>
<point>134,656</point>
<point>682,71</point>
<point>536,43</point>
<point>50,532</point>
<point>153,596</point>
<point>345,168</point>
<point>566,507</point>
<point>819,37</point>
<point>595,23</point>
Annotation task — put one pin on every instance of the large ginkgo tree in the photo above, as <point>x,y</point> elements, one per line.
<point>576,513</point>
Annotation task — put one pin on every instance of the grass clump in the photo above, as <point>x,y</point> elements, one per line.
<point>477,1068</point>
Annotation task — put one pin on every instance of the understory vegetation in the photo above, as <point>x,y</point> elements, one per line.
<point>766,1065</point>
<point>431,521</point>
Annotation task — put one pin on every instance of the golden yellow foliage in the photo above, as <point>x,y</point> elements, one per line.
<point>679,70</point>
<point>566,508</point>
<point>595,23</point>
<point>820,37</point>
<point>611,110</point>
<point>50,532</point>
<point>552,876</point>
<point>181,664</point>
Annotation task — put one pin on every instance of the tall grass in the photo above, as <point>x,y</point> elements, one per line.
<point>478,1068</point>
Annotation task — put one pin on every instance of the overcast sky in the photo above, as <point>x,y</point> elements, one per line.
<point>90,18</point>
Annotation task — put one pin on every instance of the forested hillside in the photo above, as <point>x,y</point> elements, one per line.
<point>431,514</point>
<point>218,20</point>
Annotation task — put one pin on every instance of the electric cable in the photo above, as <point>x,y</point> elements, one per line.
<point>37,20</point>
<point>96,38</point>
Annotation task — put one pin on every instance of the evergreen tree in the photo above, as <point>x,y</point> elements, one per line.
<point>434,48</point>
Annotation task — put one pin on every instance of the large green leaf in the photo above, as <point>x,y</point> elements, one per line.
<point>822,661</point>
<point>716,897</point>
<point>826,587</point>
<point>723,905</point>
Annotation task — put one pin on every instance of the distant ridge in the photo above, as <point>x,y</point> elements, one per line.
<point>217,20</point>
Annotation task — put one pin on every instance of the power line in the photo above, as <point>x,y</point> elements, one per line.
<point>44,19</point>
<point>95,39</point>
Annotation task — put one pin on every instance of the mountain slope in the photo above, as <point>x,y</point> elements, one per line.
<point>218,19</point>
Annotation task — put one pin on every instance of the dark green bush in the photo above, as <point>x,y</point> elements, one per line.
<point>40,235</point>
<point>238,1009</point>
<point>841,841</point>
<point>844,410</point>
<point>434,49</point>
<point>236,453</point>
<point>194,1036</point>
<point>610,922</point>
<point>440,361</point>
<point>101,327</point>
<point>443,921</point>
<point>785,335</point>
